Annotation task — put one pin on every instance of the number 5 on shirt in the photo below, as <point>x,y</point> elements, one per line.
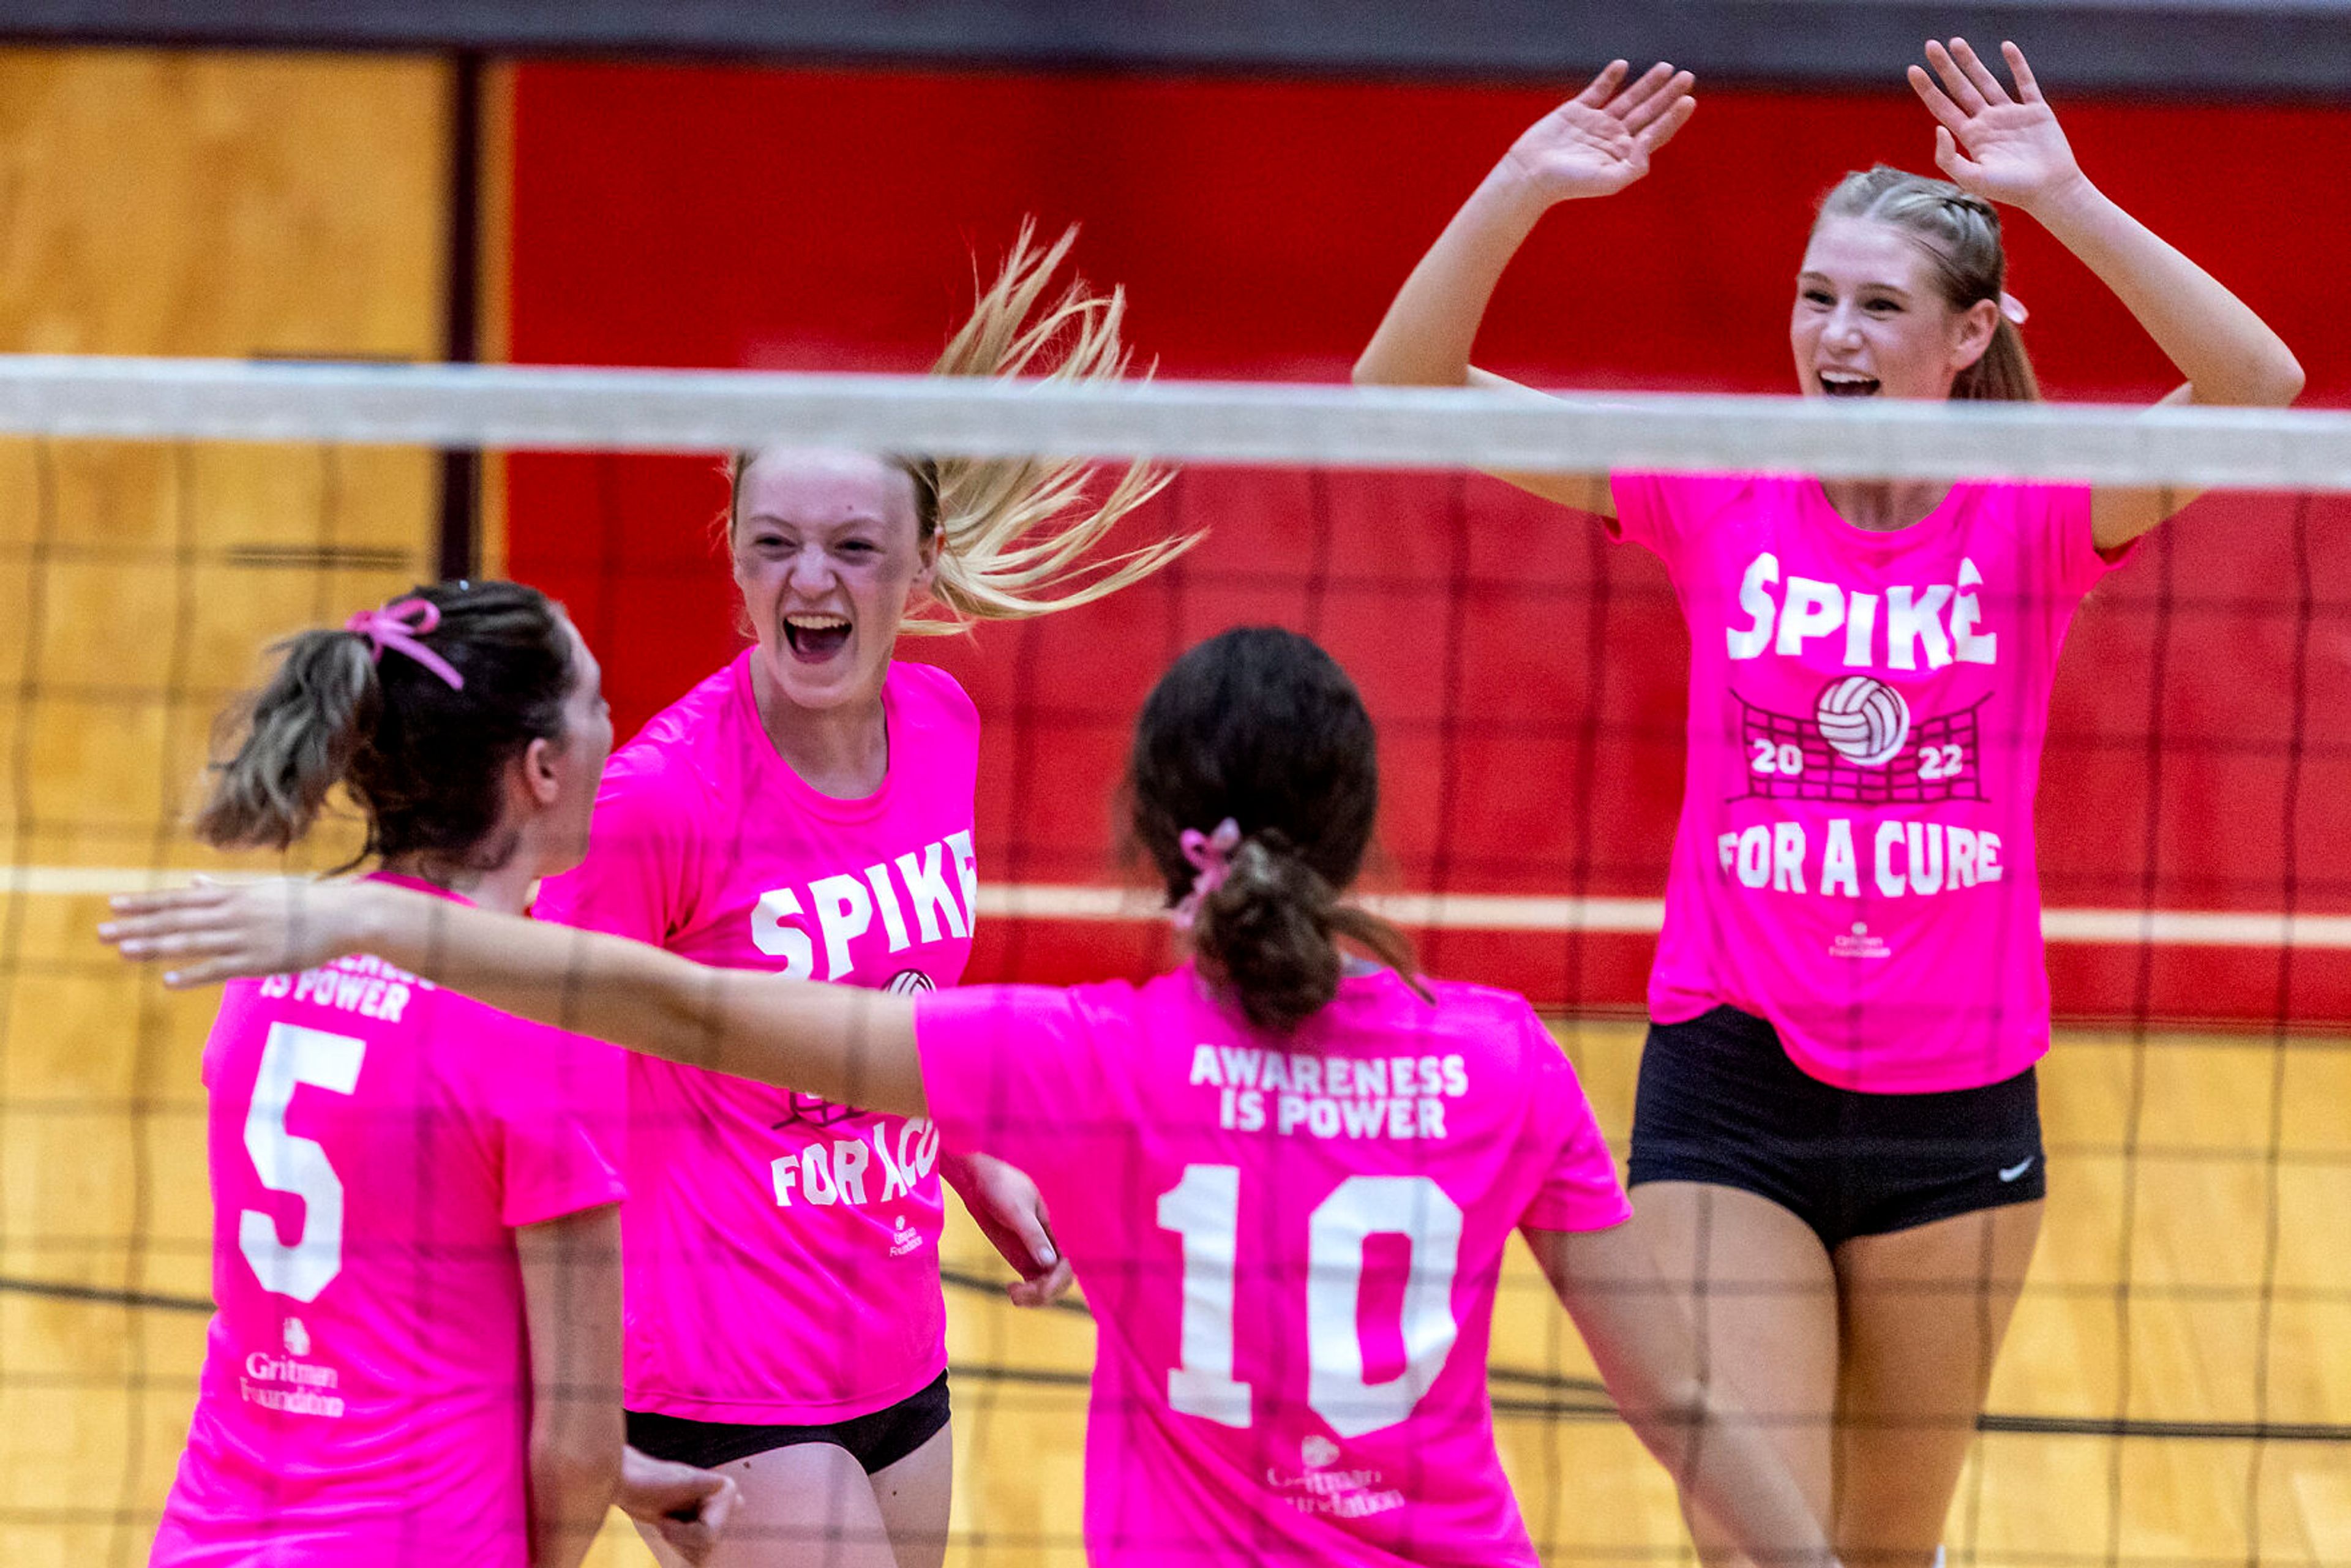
<point>292,1056</point>
<point>1204,1209</point>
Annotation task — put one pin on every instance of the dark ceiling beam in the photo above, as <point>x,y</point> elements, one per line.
<point>2291,48</point>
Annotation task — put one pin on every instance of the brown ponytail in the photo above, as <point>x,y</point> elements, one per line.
<point>423,758</point>
<point>1268,933</point>
<point>1262,727</point>
<point>301,732</point>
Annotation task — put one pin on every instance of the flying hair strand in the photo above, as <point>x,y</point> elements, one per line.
<point>1015,538</point>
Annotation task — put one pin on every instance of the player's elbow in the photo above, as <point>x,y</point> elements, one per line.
<point>2282,378</point>
<point>2273,379</point>
<point>575,1469</point>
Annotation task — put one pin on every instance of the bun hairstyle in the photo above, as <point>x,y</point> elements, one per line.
<point>423,759</point>
<point>1960,234</point>
<point>1014,534</point>
<point>1261,725</point>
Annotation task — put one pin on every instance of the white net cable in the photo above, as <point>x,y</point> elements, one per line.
<point>546,408</point>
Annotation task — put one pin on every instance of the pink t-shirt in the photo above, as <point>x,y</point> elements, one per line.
<point>1855,861</point>
<point>1291,1245</point>
<point>782,1251</point>
<point>366,1393</point>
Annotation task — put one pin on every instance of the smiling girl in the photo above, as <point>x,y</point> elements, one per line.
<point>808,811</point>
<point>1837,1144</point>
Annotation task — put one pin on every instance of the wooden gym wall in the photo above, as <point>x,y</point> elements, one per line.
<point>162,203</point>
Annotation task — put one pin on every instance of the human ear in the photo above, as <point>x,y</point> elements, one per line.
<point>540,778</point>
<point>926,569</point>
<point>1971,333</point>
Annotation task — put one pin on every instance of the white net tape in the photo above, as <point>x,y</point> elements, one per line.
<point>549,408</point>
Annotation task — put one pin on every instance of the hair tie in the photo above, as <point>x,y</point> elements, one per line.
<point>1211,857</point>
<point>397,627</point>
<point>2012,307</point>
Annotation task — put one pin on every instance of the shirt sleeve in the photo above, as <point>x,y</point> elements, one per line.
<point>1645,513</point>
<point>558,1104</point>
<point>636,878</point>
<point>1581,1191</point>
<point>2071,540</point>
<point>1012,1071</point>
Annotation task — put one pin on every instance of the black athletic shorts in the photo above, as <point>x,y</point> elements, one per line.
<point>1720,1102</point>
<point>875,1441</point>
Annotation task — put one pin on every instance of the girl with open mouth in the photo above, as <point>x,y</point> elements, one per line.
<point>808,811</point>
<point>1837,1103</point>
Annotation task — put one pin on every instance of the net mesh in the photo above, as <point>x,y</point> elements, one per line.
<point>2173,1388</point>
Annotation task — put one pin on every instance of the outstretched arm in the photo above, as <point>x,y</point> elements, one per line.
<point>2009,148</point>
<point>1648,1356</point>
<point>1596,144</point>
<point>847,1044</point>
<point>571,1271</point>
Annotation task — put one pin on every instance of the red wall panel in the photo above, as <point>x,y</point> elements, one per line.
<point>1526,674</point>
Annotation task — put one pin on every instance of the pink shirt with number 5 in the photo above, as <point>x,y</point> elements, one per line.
<point>1855,861</point>
<point>366,1396</point>
<point>1290,1244</point>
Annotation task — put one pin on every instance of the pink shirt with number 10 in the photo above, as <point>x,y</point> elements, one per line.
<point>782,1251</point>
<point>1290,1244</point>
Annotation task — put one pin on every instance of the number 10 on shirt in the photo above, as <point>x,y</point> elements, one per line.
<point>1204,1209</point>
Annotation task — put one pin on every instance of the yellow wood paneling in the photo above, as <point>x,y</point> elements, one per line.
<point>160,203</point>
<point>156,202</point>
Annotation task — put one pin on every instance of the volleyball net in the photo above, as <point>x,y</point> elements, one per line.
<point>2175,1389</point>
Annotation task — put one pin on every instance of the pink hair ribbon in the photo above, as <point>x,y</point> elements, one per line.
<point>398,627</point>
<point>2012,307</point>
<point>1211,855</point>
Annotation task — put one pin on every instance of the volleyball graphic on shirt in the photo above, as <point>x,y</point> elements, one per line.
<point>1865,720</point>
<point>1859,744</point>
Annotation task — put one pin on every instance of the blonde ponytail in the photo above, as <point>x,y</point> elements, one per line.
<point>1015,534</point>
<point>1010,547</point>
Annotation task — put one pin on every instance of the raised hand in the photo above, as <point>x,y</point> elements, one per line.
<point>2002,148</point>
<point>1599,141</point>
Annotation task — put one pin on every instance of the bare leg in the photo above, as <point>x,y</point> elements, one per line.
<point>915,1495</point>
<point>808,1506</point>
<point>1759,1288</point>
<point>1925,1312</point>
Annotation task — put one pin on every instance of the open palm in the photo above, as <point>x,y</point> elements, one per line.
<point>1599,141</point>
<point>2000,147</point>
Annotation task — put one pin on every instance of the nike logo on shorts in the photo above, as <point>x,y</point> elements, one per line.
<point>2010,1173</point>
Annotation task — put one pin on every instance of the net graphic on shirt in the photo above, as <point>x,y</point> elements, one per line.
<point>2175,1368</point>
<point>815,1111</point>
<point>1789,758</point>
